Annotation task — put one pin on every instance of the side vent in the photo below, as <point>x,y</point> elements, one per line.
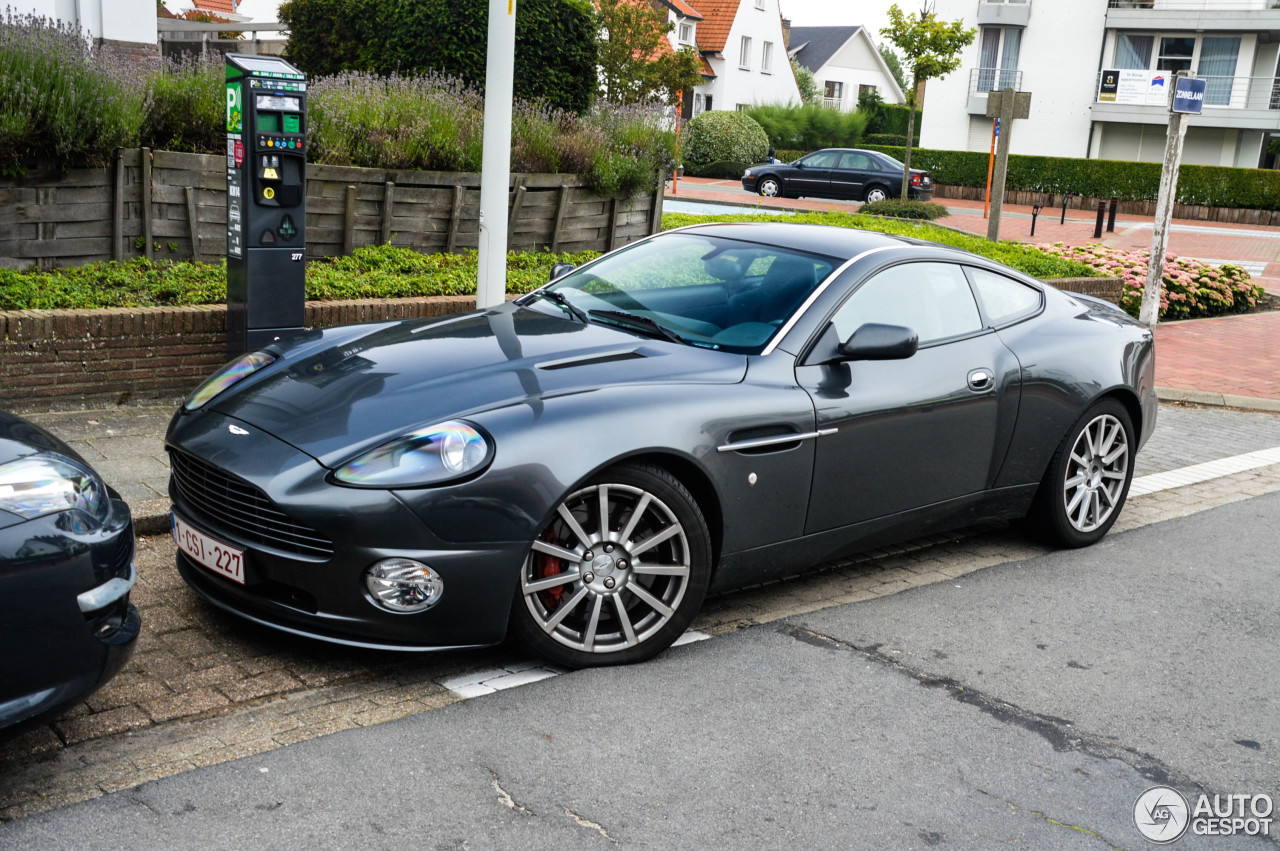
<point>590,360</point>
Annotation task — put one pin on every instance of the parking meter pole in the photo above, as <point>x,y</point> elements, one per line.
<point>495,168</point>
<point>1097,227</point>
<point>991,163</point>
<point>266,201</point>
<point>1111,214</point>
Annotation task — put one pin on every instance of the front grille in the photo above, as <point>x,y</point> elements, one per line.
<point>239,506</point>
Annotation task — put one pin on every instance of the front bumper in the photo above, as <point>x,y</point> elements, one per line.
<point>322,595</point>
<point>65,614</point>
<point>751,183</point>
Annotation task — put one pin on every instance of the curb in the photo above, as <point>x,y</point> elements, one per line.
<point>1218,400</point>
<point>150,516</point>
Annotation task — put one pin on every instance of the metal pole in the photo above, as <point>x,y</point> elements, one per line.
<point>1111,214</point>
<point>495,172</point>
<point>1035,213</point>
<point>1150,312</point>
<point>991,163</point>
<point>1097,227</point>
<point>675,172</point>
<point>1002,164</point>
<point>1066,199</point>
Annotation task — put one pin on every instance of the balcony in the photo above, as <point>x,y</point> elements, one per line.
<point>984,80</point>
<point>1245,103</point>
<point>1004,13</point>
<point>1184,15</point>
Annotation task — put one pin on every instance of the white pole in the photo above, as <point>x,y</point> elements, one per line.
<point>1149,313</point>
<point>495,175</point>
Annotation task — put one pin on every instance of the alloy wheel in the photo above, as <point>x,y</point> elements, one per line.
<point>1097,470</point>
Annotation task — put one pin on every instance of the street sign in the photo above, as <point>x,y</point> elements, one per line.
<point>1188,95</point>
<point>1021,104</point>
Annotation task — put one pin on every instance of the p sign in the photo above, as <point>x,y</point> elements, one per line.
<point>235,108</point>
<point>1188,95</point>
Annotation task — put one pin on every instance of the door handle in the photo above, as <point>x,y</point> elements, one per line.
<point>980,379</point>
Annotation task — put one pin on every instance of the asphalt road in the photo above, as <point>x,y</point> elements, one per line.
<point>1023,706</point>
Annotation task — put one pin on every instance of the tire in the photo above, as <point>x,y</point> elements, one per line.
<point>1087,482</point>
<point>770,187</point>
<point>875,193</point>
<point>608,611</point>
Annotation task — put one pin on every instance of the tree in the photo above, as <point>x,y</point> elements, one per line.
<point>805,82</point>
<point>895,65</point>
<point>636,62</point>
<point>931,49</point>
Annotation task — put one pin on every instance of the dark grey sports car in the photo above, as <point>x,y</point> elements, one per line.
<point>703,409</point>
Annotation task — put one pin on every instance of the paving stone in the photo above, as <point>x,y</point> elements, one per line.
<point>275,682</point>
<point>146,775</point>
<point>213,676</point>
<point>112,721</point>
<point>123,695</point>
<point>181,705</point>
<point>236,751</point>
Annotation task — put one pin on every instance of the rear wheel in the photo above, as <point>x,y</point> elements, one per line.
<point>874,194</point>
<point>618,574</point>
<point>770,188</point>
<point>1088,479</point>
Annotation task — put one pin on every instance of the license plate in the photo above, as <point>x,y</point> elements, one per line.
<point>222,559</point>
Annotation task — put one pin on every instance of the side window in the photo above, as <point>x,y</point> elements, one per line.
<point>933,299</point>
<point>822,159</point>
<point>1004,298</point>
<point>855,161</point>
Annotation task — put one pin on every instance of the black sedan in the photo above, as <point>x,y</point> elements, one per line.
<point>703,409</point>
<point>66,568</point>
<point>838,173</point>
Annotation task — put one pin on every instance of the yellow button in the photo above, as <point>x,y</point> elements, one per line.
<point>268,193</point>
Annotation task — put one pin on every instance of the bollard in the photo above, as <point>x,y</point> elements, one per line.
<point>1111,214</point>
<point>1035,211</point>
<point>1102,212</point>
<point>1066,199</point>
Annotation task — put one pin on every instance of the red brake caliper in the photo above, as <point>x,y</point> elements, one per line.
<point>544,567</point>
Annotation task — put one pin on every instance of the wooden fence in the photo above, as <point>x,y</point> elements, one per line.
<point>172,205</point>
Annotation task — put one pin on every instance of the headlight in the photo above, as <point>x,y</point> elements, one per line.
<point>238,369</point>
<point>48,483</point>
<point>748,172</point>
<point>426,456</point>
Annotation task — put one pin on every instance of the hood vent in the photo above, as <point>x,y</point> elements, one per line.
<point>591,360</point>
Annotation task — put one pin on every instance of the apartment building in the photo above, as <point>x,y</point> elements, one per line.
<point>1099,72</point>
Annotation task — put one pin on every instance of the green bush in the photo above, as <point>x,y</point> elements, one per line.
<point>722,136</point>
<point>809,126</point>
<point>926,210</point>
<point>1213,186</point>
<point>186,108</point>
<point>721,170</point>
<point>555,42</point>
<point>1028,259</point>
<point>886,139</point>
<point>891,118</point>
<point>372,272</point>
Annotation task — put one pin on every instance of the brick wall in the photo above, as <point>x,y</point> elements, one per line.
<point>51,357</point>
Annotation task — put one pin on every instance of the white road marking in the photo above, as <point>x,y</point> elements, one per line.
<point>492,680</point>
<point>1197,473</point>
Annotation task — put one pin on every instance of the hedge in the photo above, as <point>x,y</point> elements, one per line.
<point>1210,186</point>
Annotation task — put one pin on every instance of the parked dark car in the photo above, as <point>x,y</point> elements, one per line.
<point>838,173</point>
<point>66,568</point>
<point>703,409</point>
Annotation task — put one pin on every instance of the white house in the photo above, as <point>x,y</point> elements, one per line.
<point>124,24</point>
<point>744,56</point>
<point>845,63</point>
<point>1097,71</point>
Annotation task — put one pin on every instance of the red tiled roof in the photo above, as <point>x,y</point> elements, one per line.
<point>706,68</point>
<point>225,7</point>
<point>684,9</point>
<point>717,20</point>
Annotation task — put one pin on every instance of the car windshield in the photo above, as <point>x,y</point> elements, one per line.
<point>702,290</point>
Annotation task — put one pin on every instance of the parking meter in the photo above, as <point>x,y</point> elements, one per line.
<point>266,201</point>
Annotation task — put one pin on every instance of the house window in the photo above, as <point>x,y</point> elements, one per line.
<point>1213,57</point>
<point>766,57</point>
<point>760,4</point>
<point>999,59</point>
<point>744,57</point>
<point>699,104</point>
<point>834,91</point>
<point>686,33</point>
<point>865,90</point>
<point>742,107</point>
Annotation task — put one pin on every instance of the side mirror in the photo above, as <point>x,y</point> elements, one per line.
<point>798,164</point>
<point>880,342</point>
<point>561,269</point>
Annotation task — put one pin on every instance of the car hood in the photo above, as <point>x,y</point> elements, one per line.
<point>20,438</point>
<point>353,388</point>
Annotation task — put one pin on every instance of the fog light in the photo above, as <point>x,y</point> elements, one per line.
<point>403,585</point>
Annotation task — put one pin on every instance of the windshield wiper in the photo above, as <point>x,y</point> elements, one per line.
<point>563,300</point>
<point>640,323</point>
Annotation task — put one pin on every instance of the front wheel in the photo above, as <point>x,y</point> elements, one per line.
<point>1088,479</point>
<point>618,573</point>
<point>770,188</point>
<point>874,194</point>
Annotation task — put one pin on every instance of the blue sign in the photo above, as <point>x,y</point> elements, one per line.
<point>1188,95</point>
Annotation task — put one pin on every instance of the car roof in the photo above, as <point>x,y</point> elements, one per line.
<point>832,241</point>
